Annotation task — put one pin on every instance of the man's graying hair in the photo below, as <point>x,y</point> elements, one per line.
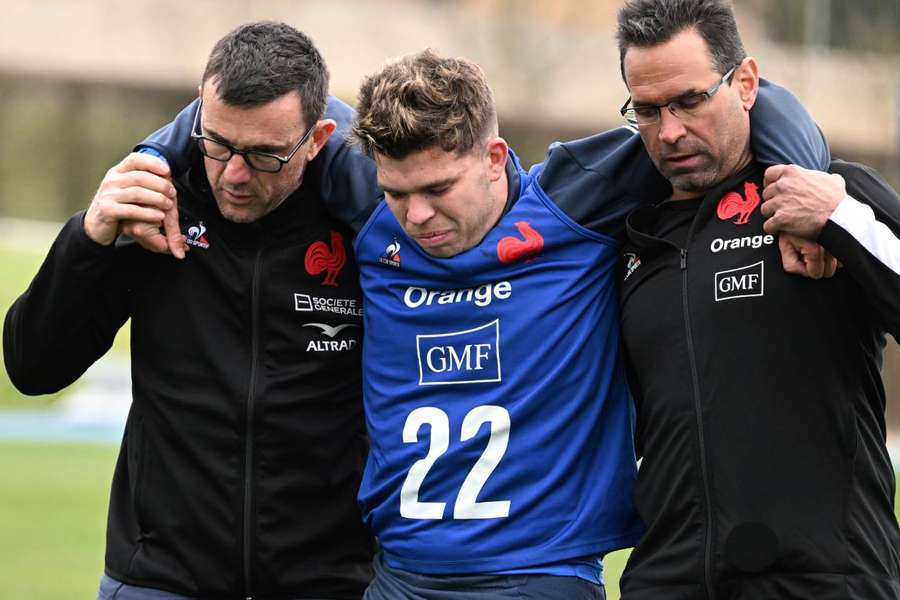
<point>422,101</point>
<point>259,62</point>
<point>647,23</point>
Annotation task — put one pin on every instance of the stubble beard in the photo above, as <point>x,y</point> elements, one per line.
<point>694,181</point>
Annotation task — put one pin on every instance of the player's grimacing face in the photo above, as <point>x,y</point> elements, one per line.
<point>445,201</point>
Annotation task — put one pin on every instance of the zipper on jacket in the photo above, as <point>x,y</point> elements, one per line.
<point>698,410</point>
<point>248,440</point>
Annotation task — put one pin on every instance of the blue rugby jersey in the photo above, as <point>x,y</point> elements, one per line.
<point>499,420</point>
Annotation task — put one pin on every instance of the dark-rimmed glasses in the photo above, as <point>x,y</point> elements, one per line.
<point>688,104</point>
<point>260,161</point>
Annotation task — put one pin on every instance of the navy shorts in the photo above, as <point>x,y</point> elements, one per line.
<point>395,584</point>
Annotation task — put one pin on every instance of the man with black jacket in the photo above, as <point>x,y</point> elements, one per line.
<point>760,406</point>
<point>245,441</point>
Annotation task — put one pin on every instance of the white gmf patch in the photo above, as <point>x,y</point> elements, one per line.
<point>743,282</point>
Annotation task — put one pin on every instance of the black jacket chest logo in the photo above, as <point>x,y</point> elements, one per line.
<point>196,236</point>
<point>320,258</point>
<point>734,205</point>
<point>738,209</point>
<point>632,262</point>
<point>743,282</point>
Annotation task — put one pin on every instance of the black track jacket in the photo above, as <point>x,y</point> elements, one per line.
<point>760,405</point>
<point>245,442</point>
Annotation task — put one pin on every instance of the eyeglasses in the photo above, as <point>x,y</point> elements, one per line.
<point>687,105</point>
<point>260,161</point>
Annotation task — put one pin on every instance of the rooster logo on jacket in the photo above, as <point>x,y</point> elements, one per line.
<point>733,204</point>
<point>322,259</point>
<point>510,249</point>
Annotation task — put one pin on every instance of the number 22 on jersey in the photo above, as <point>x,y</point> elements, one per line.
<point>467,505</point>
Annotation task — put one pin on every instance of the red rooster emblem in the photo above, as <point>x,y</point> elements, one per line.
<point>510,249</point>
<point>733,205</point>
<point>319,257</point>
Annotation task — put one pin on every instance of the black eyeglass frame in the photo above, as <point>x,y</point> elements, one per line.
<point>708,94</point>
<point>246,154</point>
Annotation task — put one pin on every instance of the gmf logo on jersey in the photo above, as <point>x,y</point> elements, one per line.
<point>322,259</point>
<point>195,236</point>
<point>734,205</point>
<point>470,356</point>
<point>744,282</point>
<point>632,262</point>
<point>331,345</point>
<point>391,255</point>
<point>511,249</point>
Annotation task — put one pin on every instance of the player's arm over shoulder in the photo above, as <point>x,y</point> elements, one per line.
<point>599,179</point>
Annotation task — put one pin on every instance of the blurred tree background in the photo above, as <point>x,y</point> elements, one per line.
<point>860,25</point>
<point>60,137</point>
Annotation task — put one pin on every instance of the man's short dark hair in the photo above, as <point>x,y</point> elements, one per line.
<point>259,62</point>
<point>648,23</point>
<point>423,101</point>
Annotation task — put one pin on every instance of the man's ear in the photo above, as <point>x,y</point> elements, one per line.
<point>746,77</point>
<point>323,130</point>
<point>497,154</point>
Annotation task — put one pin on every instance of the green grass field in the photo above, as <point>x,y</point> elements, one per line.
<point>52,519</point>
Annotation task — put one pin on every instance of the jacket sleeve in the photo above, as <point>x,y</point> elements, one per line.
<point>864,234</point>
<point>598,180</point>
<point>341,175</point>
<point>68,316</point>
<point>782,132</point>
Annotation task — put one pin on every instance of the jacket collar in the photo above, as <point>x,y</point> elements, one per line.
<point>640,222</point>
